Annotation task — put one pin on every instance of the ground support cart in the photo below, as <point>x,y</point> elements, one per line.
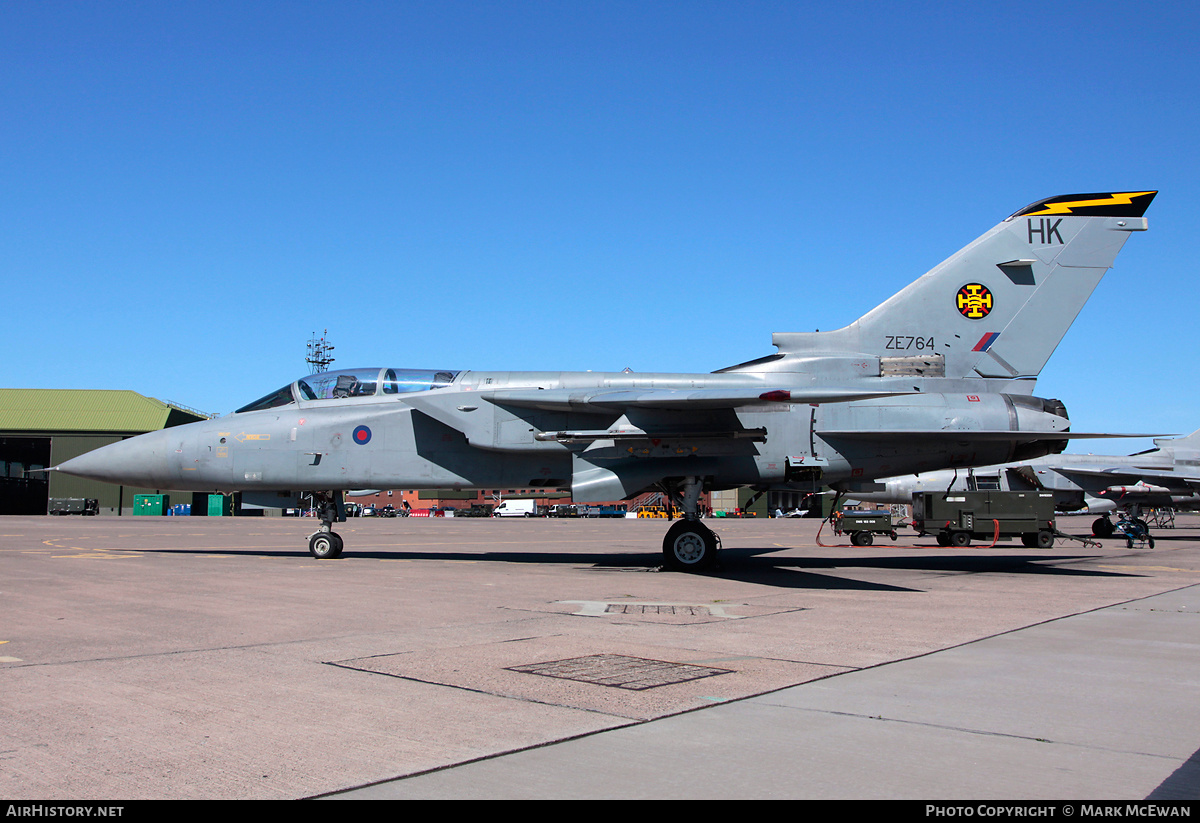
<point>862,526</point>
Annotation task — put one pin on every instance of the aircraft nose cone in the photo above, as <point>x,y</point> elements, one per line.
<point>138,461</point>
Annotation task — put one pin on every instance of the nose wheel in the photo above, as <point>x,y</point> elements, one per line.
<point>325,545</point>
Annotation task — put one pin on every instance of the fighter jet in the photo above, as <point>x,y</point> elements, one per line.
<point>940,375</point>
<point>1165,476</point>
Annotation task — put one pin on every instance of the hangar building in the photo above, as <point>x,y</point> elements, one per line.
<point>40,428</point>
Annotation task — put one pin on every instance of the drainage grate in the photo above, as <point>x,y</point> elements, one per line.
<point>653,608</point>
<point>599,608</point>
<point>620,671</point>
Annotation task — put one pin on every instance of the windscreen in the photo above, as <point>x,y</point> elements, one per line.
<point>279,397</point>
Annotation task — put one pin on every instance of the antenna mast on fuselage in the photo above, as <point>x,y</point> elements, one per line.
<point>318,358</point>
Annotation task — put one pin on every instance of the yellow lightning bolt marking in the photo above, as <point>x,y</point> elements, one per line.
<point>1119,199</point>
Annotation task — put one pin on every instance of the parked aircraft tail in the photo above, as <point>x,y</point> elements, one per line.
<point>1189,443</point>
<point>996,309</point>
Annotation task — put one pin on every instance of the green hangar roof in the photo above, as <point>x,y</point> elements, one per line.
<point>82,410</point>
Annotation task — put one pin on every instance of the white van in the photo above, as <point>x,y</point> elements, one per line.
<point>516,508</point>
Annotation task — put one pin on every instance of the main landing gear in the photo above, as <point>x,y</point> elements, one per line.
<point>689,545</point>
<point>325,543</point>
<point>1102,527</point>
<point>1130,524</point>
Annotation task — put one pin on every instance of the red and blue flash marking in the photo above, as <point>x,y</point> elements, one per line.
<point>361,435</point>
<point>986,341</point>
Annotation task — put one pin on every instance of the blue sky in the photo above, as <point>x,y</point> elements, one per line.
<point>191,189</point>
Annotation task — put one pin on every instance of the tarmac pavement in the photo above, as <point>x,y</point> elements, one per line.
<point>459,658</point>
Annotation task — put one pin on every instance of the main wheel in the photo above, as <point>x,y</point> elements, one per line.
<point>689,546</point>
<point>1102,527</point>
<point>325,545</point>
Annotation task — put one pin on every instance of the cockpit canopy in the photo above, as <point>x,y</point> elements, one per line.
<point>336,385</point>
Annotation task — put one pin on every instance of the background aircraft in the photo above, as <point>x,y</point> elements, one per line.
<point>1165,476</point>
<point>939,375</point>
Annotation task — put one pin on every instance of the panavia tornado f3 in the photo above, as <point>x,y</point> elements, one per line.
<point>938,376</point>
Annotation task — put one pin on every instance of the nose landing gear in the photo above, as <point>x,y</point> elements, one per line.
<point>325,543</point>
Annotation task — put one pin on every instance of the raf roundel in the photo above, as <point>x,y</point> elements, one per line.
<point>361,435</point>
<point>974,301</point>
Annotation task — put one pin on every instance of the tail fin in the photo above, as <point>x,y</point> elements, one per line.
<point>999,307</point>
